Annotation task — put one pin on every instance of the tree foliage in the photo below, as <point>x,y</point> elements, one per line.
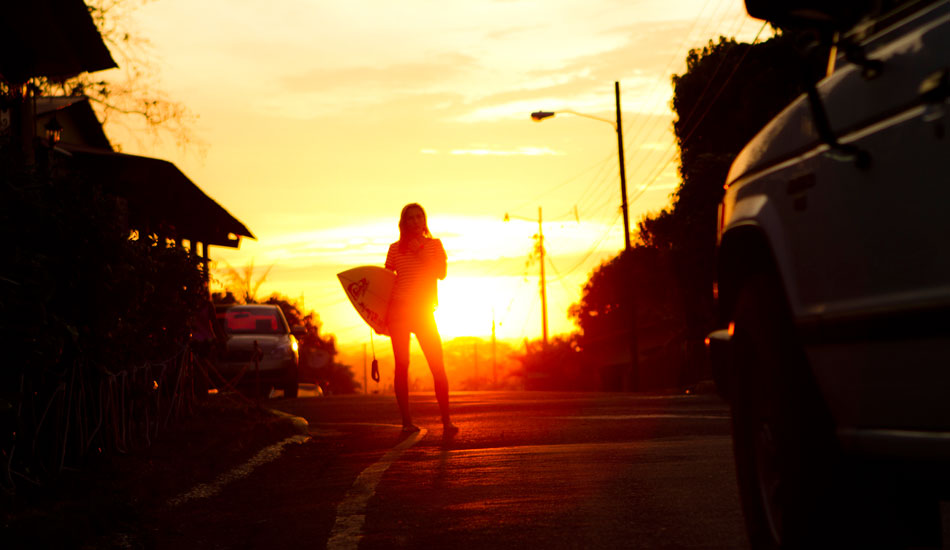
<point>558,366</point>
<point>728,93</point>
<point>98,323</point>
<point>129,98</point>
<point>79,286</point>
<point>663,286</point>
<point>241,284</point>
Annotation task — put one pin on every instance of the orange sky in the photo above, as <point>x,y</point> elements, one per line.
<point>321,119</point>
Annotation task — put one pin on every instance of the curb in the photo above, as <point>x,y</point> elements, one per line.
<point>301,426</point>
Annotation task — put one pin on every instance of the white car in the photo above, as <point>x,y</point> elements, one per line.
<point>834,288</point>
<point>259,350</point>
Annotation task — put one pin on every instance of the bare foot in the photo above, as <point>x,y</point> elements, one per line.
<point>449,430</point>
<point>410,428</point>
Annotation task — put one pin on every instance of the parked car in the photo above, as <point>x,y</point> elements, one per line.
<point>259,349</point>
<point>834,288</point>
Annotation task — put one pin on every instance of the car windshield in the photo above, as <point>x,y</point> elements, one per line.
<point>251,321</point>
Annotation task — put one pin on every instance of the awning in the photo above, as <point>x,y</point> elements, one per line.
<point>160,197</point>
<point>52,38</point>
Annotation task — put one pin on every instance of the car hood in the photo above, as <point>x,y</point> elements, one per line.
<point>267,342</point>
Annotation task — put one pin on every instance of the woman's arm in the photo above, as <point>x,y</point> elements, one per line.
<point>438,259</point>
<point>391,256</point>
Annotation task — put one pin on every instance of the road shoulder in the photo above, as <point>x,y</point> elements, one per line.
<point>107,503</point>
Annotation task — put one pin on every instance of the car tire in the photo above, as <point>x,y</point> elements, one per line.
<point>292,385</point>
<point>783,437</point>
<point>798,490</point>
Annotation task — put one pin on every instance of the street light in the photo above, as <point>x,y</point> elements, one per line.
<point>538,116</point>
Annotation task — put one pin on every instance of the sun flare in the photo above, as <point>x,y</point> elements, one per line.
<point>467,305</point>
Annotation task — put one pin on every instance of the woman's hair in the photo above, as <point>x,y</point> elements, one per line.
<point>403,242</point>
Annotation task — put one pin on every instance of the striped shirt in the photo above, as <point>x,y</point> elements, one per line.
<point>416,272</point>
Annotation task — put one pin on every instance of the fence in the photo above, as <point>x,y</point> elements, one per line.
<point>86,410</point>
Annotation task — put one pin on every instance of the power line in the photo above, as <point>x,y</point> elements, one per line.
<point>677,55</point>
<point>600,179</point>
<point>594,248</point>
<point>600,163</point>
<point>661,167</point>
<point>687,38</point>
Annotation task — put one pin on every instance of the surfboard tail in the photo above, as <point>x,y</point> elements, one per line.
<point>369,289</point>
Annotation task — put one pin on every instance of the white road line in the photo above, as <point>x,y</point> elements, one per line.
<point>351,512</point>
<point>265,455</point>
<point>645,417</point>
<point>609,446</point>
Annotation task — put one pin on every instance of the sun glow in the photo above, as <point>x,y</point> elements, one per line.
<point>491,272</point>
<point>467,305</point>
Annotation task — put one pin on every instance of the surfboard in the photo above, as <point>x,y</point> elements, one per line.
<point>369,287</point>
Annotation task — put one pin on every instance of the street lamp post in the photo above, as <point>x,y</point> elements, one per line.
<point>623,171</point>
<point>631,382</point>
<point>618,126</point>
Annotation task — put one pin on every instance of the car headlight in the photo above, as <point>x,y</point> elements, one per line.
<point>285,349</point>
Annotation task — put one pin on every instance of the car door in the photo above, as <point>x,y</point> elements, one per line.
<point>870,241</point>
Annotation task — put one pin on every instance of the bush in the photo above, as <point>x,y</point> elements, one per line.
<point>84,310</point>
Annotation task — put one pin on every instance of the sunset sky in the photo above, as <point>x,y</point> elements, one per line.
<point>321,119</point>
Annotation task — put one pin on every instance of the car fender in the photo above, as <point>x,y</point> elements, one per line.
<point>753,240</point>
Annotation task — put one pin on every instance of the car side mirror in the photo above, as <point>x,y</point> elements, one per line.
<point>299,331</point>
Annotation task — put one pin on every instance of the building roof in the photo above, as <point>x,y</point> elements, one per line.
<point>160,197</point>
<point>75,115</point>
<point>53,38</point>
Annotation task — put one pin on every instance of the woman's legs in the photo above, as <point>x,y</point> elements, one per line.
<point>431,343</point>
<point>399,333</point>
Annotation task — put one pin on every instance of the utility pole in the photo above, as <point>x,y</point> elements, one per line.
<point>475,361</point>
<point>631,380</point>
<point>494,364</point>
<point>365,383</point>
<point>544,298</point>
<point>634,379</point>
<point>623,172</point>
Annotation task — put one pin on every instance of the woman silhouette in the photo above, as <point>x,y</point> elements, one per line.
<point>418,260</point>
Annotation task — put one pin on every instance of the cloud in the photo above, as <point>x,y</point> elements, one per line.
<point>506,33</point>
<point>399,76</point>
<point>486,75</point>
<point>526,151</point>
<point>643,59</point>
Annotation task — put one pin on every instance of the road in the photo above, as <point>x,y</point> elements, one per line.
<point>527,470</point>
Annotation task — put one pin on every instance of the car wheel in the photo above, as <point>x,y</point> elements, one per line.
<point>783,436</point>
<point>797,489</point>
<point>291,386</point>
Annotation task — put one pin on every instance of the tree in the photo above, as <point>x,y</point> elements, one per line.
<point>556,366</point>
<point>631,291</point>
<point>241,284</point>
<point>129,97</point>
<point>728,92</point>
<point>98,322</point>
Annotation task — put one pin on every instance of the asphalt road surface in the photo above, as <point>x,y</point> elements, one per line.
<point>527,470</point>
